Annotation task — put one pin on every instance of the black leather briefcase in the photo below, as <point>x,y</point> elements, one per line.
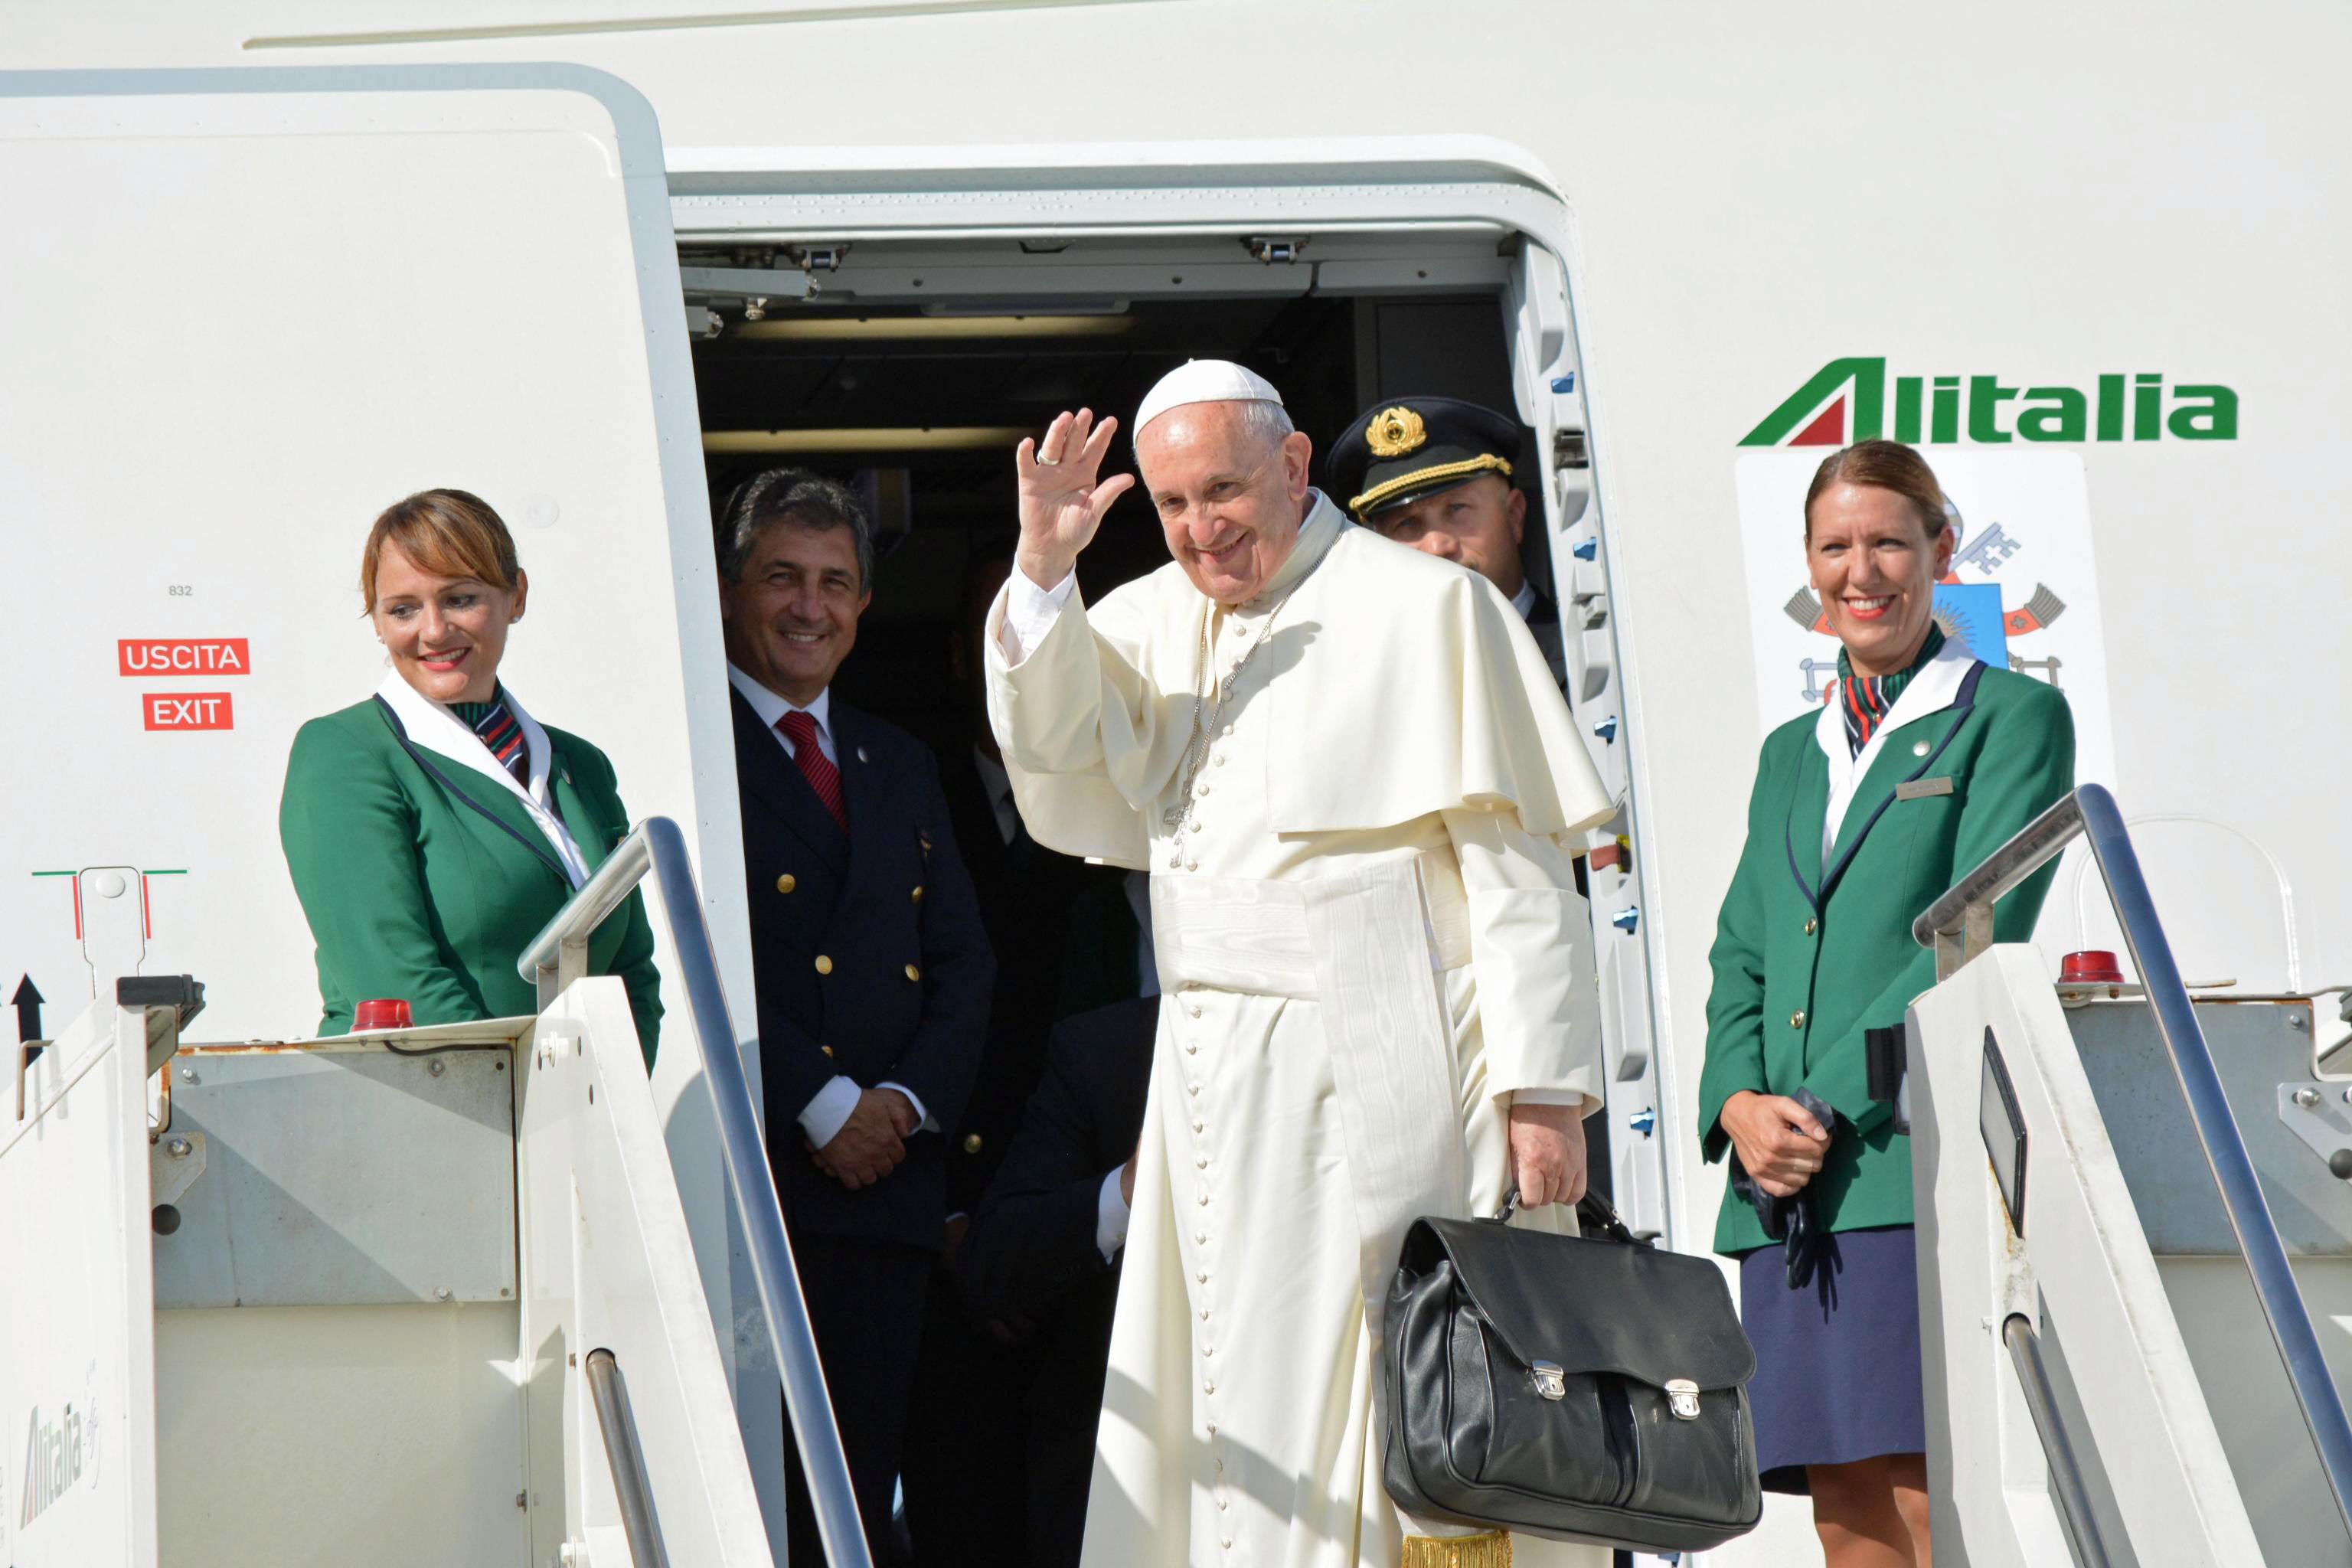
<point>1582,1388</point>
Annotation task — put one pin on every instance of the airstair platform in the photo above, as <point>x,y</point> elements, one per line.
<point>2135,1246</point>
<point>410,1296</point>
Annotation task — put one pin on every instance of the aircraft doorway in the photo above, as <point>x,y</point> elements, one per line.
<point>920,412</point>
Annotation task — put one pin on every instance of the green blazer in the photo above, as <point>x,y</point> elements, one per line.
<point>422,879</point>
<point>1809,954</point>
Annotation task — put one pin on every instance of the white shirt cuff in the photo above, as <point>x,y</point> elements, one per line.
<point>1553,1096</point>
<point>1110,1218</point>
<point>1029,612</point>
<point>923,1122</point>
<point>823,1117</point>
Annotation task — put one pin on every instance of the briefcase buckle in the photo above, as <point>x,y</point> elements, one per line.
<point>1550,1380</point>
<point>1681,1398</point>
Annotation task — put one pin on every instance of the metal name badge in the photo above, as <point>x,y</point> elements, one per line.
<point>1681,1398</point>
<point>1550,1380</point>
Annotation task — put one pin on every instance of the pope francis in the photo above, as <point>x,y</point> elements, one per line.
<point>1350,775</point>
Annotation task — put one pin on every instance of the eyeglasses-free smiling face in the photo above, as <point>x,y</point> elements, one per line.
<point>792,618</point>
<point>1229,500</point>
<point>445,635</point>
<point>1875,570</point>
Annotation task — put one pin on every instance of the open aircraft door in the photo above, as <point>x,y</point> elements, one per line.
<point>243,311</point>
<point>1548,379</point>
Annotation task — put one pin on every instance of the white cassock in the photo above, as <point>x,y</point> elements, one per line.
<point>1368,942</point>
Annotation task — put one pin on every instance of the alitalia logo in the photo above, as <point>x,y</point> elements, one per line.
<point>55,1454</point>
<point>1847,401</point>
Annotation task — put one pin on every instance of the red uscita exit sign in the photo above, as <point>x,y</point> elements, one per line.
<point>184,656</point>
<point>188,710</point>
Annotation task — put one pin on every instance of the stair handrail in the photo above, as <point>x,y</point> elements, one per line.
<point>557,956</point>
<point>626,1460</point>
<point>1958,926</point>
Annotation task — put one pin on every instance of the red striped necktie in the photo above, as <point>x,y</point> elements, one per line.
<point>800,728</point>
<point>502,734</point>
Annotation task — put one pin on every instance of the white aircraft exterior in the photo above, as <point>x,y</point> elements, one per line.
<point>2087,257</point>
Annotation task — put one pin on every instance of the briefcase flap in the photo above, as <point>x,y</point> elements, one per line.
<point>1587,1305</point>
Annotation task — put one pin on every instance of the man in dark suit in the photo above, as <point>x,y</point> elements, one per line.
<point>1040,1259</point>
<point>870,965</point>
<point>960,1514</point>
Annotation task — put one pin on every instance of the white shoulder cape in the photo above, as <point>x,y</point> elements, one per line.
<point>1417,688</point>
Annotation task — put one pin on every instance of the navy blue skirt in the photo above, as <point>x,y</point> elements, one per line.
<point>1837,1360</point>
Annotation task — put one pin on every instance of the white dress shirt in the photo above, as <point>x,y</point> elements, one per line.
<point>828,1110</point>
<point>771,710</point>
<point>1524,601</point>
<point>1110,1216</point>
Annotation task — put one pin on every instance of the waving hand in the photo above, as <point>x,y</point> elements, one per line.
<point>1061,503</point>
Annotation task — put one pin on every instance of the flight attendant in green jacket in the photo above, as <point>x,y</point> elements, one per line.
<point>435,828</point>
<point>1921,762</point>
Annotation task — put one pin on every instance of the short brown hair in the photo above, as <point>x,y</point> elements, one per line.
<point>1888,466</point>
<point>454,534</point>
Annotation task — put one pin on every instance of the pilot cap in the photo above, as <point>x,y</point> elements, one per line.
<point>1204,381</point>
<point>1402,449</point>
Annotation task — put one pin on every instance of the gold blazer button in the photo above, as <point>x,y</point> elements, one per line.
<point>826,1049</point>
<point>1812,926</point>
<point>787,882</point>
<point>972,1142</point>
<point>823,964</point>
<point>916,895</point>
<point>913,972</point>
<point>1797,1019</point>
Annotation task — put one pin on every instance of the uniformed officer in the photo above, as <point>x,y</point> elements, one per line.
<point>1436,473</point>
<point>869,961</point>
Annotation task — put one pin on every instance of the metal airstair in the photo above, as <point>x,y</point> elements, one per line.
<point>2132,1209</point>
<point>417,1295</point>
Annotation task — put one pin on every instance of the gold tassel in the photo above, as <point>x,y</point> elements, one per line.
<point>1492,1549</point>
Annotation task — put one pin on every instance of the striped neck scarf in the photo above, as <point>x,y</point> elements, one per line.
<point>495,722</point>
<point>1865,701</point>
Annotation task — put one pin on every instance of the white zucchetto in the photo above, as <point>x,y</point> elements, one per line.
<point>1204,381</point>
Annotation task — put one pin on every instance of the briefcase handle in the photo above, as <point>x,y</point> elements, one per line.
<point>1596,1218</point>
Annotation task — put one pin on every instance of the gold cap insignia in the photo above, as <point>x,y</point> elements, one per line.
<point>1394,432</point>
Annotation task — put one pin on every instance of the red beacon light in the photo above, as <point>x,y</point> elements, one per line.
<point>381,1013</point>
<point>2092,966</point>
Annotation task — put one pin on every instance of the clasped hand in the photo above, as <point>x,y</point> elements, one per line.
<point>1779,1141</point>
<point>871,1143</point>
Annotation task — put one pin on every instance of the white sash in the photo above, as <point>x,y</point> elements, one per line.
<point>432,726</point>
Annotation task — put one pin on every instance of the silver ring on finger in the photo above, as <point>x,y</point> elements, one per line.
<point>1046,462</point>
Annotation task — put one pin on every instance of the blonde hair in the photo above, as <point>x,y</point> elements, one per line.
<point>452,533</point>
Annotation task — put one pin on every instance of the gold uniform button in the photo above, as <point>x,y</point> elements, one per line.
<point>823,964</point>
<point>826,1049</point>
<point>913,972</point>
<point>1812,926</point>
<point>972,1142</point>
<point>916,895</point>
<point>787,882</point>
<point>1797,1019</point>
<point>1918,748</point>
